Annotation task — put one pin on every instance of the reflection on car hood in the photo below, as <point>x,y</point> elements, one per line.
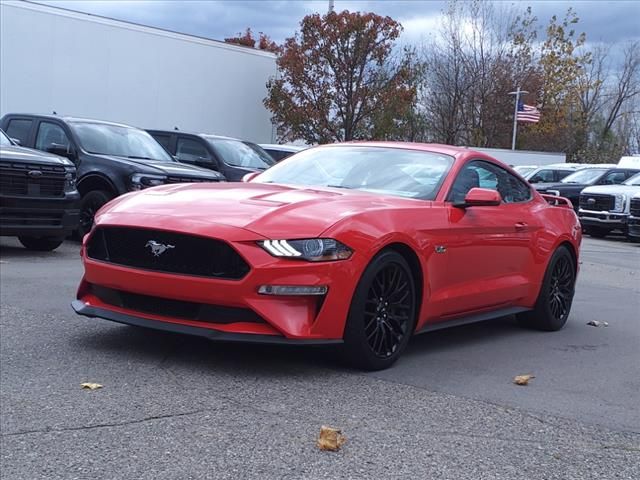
<point>22,154</point>
<point>267,209</point>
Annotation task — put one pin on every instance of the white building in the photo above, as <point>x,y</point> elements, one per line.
<point>77,64</point>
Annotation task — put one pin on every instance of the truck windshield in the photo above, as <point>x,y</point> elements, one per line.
<point>241,154</point>
<point>119,141</point>
<point>4,140</point>
<point>585,176</point>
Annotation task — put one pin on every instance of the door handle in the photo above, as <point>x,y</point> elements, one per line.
<point>520,226</point>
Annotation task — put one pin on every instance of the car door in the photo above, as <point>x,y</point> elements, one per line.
<point>490,251</point>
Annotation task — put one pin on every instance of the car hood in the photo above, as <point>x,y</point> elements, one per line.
<point>273,211</point>
<point>613,189</point>
<point>22,154</point>
<point>165,168</point>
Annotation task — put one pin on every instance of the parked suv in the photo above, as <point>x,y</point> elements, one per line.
<point>634,218</point>
<point>111,158</point>
<point>605,208</point>
<point>549,173</point>
<point>280,152</point>
<point>38,196</point>
<point>232,157</point>
<point>571,185</point>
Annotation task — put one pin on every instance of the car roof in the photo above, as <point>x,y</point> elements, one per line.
<point>425,147</point>
<point>284,148</point>
<point>197,134</point>
<point>66,118</point>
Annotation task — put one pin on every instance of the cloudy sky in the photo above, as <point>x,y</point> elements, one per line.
<point>603,21</point>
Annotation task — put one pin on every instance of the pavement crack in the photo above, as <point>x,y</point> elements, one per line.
<point>101,425</point>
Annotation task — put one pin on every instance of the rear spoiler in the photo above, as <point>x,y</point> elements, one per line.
<point>557,201</point>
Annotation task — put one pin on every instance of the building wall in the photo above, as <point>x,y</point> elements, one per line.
<point>523,157</point>
<point>82,65</point>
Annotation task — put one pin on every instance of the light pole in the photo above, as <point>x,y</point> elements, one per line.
<point>330,6</point>
<point>517,93</point>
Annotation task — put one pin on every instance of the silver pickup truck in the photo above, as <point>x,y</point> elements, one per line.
<point>605,208</point>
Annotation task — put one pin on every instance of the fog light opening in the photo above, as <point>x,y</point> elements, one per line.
<point>293,290</point>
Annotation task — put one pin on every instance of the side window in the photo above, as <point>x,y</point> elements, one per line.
<point>613,178</point>
<point>487,175</point>
<point>19,129</point>
<point>164,140</point>
<point>191,150</point>
<point>563,173</point>
<point>543,176</point>
<point>50,134</point>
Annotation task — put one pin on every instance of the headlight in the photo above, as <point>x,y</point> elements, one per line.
<point>311,249</point>
<point>620,203</point>
<point>70,181</point>
<point>144,180</point>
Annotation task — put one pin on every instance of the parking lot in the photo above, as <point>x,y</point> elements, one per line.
<point>180,407</point>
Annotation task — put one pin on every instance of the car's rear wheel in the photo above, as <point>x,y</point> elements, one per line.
<point>41,244</point>
<point>382,315</point>
<point>598,232</point>
<point>556,294</point>
<point>89,205</point>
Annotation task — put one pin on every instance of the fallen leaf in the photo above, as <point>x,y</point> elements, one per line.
<point>90,386</point>
<point>596,323</point>
<point>523,379</point>
<point>330,439</point>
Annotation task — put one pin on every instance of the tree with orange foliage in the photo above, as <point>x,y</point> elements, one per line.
<point>336,76</point>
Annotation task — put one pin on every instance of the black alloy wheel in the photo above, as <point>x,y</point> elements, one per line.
<point>553,306</point>
<point>89,206</point>
<point>382,316</point>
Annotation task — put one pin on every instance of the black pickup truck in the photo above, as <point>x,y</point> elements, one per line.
<point>38,196</point>
<point>111,158</point>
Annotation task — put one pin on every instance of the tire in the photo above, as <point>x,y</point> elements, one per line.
<point>89,205</point>
<point>598,232</point>
<point>382,315</point>
<point>553,305</point>
<point>41,244</point>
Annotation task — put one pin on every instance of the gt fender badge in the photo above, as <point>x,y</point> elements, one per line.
<point>158,248</point>
<point>441,249</point>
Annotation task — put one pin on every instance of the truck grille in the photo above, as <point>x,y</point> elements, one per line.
<point>18,179</point>
<point>597,202</point>
<point>635,207</point>
<point>164,251</point>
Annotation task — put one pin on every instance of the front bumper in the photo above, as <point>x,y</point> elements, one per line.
<point>634,227</point>
<point>41,217</point>
<point>589,218</point>
<point>282,319</point>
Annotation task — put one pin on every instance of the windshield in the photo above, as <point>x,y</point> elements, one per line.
<point>120,141</point>
<point>4,140</point>
<point>241,154</point>
<point>584,176</point>
<point>634,181</point>
<point>388,171</point>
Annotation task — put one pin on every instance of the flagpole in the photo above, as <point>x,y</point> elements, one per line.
<point>515,116</point>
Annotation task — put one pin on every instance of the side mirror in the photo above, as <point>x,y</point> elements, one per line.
<point>480,197</point>
<point>16,141</point>
<point>62,150</point>
<point>250,176</point>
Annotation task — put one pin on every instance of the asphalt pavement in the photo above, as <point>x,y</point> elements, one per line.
<point>177,407</point>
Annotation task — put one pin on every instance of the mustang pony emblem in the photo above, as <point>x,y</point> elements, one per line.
<point>158,248</point>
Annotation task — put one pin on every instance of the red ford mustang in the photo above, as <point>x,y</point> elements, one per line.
<point>362,244</point>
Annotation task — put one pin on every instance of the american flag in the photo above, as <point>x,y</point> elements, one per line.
<point>527,113</point>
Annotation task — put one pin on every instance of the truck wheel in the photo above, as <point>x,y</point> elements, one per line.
<point>41,244</point>
<point>89,205</point>
<point>598,232</point>
<point>552,308</point>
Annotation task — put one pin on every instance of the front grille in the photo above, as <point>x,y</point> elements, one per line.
<point>635,207</point>
<point>171,308</point>
<point>19,179</point>
<point>169,252</point>
<point>597,202</point>
<point>175,179</point>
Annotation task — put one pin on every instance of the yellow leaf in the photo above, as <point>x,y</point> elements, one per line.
<point>90,386</point>
<point>522,379</point>
<point>330,439</point>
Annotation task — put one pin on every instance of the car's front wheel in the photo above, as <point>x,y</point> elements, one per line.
<point>556,294</point>
<point>598,232</point>
<point>89,205</point>
<point>382,315</point>
<point>41,244</point>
